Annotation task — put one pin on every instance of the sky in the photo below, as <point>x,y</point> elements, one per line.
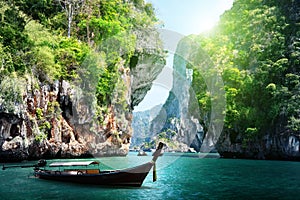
<point>190,16</point>
<point>182,17</point>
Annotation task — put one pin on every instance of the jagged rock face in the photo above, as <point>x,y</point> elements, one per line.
<point>141,125</point>
<point>176,114</point>
<point>58,120</point>
<point>145,68</point>
<point>284,146</point>
<point>39,130</point>
<point>147,63</point>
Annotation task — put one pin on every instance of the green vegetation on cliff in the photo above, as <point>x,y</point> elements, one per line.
<point>58,40</point>
<point>255,49</point>
<point>68,75</point>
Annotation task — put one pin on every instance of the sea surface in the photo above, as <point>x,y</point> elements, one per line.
<point>179,176</point>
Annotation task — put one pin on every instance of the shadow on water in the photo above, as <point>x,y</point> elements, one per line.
<point>89,186</point>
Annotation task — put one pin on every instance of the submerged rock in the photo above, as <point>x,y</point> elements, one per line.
<point>142,153</point>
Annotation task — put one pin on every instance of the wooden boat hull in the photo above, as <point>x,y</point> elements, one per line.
<point>128,177</point>
<point>74,172</point>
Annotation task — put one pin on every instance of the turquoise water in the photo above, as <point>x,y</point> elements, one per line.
<point>179,177</point>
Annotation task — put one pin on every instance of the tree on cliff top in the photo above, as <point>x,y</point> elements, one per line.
<point>255,47</point>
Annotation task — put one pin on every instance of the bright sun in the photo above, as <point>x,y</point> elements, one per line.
<point>206,25</point>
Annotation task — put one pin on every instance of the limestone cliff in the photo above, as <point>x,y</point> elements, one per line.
<point>271,146</point>
<point>69,91</point>
<point>141,126</point>
<point>178,119</point>
<point>55,121</point>
<point>279,139</point>
<point>58,120</point>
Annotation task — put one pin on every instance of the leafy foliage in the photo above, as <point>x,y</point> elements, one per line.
<point>11,89</point>
<point>90,47</point>
<point>255,48</point>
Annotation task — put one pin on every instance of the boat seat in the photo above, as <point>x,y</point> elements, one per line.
<point>93,171</point>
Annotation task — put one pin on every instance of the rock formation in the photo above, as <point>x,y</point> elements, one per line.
<point>141,126</point>
<point>279,140</point>
<point>58,120</point>
<point>177,115</point>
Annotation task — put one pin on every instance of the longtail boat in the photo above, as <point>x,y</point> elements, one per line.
<point>88,172</point>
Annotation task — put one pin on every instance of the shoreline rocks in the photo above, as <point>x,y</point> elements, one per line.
<point>271,147</point>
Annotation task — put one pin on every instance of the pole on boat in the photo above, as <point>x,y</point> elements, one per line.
<point>155,156</point>
<point>154,173</point>
<point>41,163</point>
<point>158,151</point>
